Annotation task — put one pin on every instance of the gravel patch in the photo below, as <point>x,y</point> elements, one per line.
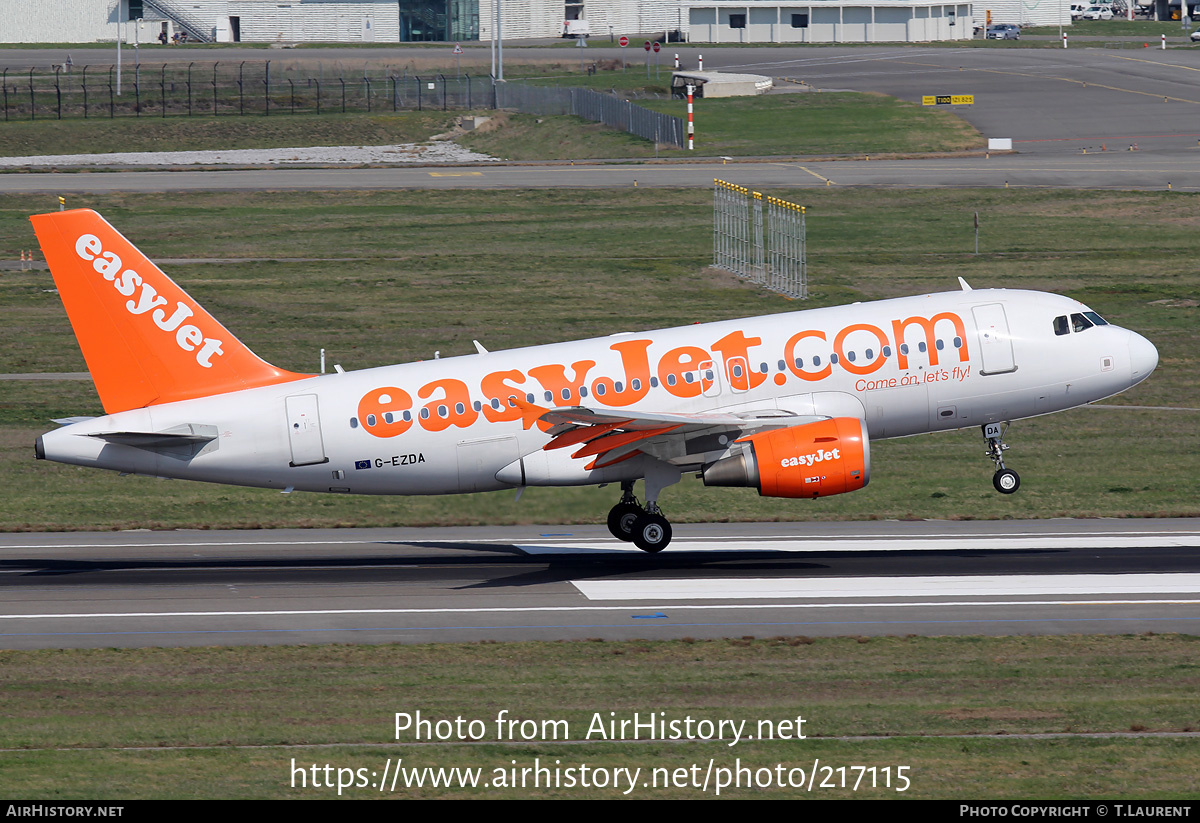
<point>438,152</point>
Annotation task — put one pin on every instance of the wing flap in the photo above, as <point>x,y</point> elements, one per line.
<point>612,437</point>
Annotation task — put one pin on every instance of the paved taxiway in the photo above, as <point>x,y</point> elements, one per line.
<point>1115,170</point>
<point>465,584</point>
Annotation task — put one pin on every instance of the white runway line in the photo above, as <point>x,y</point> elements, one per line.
<point>289,613</point>
<point>883,543</point>
<point>853,587</point>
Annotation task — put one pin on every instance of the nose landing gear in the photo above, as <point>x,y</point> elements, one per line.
<point>1005,479</point>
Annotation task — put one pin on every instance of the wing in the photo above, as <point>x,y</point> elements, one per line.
<point>682,439</point>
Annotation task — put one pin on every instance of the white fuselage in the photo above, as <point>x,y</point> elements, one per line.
<point>904,366</point>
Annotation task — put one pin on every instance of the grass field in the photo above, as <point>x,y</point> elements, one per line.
<point>110,719</point>
<point>398,275</point>
<point>102,135</point>
<point>777,125</point>
<point>1116,28</point>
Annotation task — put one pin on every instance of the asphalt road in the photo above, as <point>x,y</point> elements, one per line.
<point>1177,170</point>
<point>429,585</point>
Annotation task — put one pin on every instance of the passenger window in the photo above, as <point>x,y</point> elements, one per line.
<point>1060,325</point>
<point>1079,322</point>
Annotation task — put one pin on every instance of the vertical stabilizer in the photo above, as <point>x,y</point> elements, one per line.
<point>146,341</point>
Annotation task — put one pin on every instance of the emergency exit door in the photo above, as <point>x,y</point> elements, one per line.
<point>995,342</point>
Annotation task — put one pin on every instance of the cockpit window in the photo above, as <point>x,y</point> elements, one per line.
<point>1060,325</point>
<point>1079,322</point>
<point>1095,318</point>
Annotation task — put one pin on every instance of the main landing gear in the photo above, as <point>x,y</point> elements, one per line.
<point>646,528</point>
<point>1005,479</point>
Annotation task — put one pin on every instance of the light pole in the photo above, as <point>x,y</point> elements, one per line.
<point>120,14</point>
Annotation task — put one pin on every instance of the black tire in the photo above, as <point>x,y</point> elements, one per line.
<point>651,532</point>
<point>1006,481</point>
<point>621,519</point>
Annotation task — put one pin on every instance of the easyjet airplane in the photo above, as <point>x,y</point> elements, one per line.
<point>786,403</point>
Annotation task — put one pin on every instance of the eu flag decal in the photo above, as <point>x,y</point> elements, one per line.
<point>362,464</point>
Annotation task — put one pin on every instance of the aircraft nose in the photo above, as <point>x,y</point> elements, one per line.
<point>1143,357</point>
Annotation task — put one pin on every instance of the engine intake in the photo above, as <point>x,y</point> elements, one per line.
<point>814,460</point>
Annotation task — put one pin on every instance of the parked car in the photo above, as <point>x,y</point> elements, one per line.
<point>1098,13</point>
<point>1196,36</point>
<point>1004,31</point>
<point>1077,10</point>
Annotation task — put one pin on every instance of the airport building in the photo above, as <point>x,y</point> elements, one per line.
<point>297,21</point>
<point>1025,12</point>
<point>391,21</point>
<point>829,21</point>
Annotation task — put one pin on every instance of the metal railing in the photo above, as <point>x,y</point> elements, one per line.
<point>257,88</point>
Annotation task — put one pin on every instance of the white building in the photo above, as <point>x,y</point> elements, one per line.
<point>829,21</point>
<point>383,21</point>
<point>391,21</point>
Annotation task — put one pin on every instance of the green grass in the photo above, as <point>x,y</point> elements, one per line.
<point>78,717</point>
<point>774,125</point>
<point>821,123</point>
<point>780,124</point>
<point>532,137</point>
<point>102,135</point>
<point>1115,28</point>
<point>409,273</point>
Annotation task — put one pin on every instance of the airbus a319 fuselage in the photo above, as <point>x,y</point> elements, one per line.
<point>785,403</point>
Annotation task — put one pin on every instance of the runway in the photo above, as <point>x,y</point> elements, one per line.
<point>188,588</point>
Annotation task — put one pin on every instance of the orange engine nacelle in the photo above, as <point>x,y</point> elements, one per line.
<point>813,460</point>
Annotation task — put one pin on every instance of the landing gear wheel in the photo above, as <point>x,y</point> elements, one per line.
<point>1006,481</point>
<point>651,532</point>
<point>621,519</point>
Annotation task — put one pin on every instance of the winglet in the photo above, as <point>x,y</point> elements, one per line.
<point>145,340</point>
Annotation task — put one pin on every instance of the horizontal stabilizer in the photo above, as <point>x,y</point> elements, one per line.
<point>186,440</point>
<point>68,421</point>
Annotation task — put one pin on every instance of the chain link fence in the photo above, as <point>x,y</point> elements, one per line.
<point>740,225</point>
<point>253,88</point>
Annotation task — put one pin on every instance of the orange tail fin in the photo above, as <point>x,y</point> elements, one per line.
<point>145,340</point>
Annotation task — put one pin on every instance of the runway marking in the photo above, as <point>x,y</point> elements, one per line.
<point>1086,83</point>
<point>814,174</point>
<point>1152,62</point>
<point>456,174</point>
<point>842,587</point>
<point>883,604</point>
<point>938,541</point>
<point>854,544</point>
